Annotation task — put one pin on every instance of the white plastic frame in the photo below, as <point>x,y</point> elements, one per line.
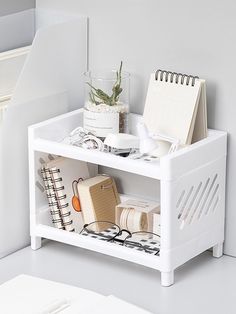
<point>183,170</point>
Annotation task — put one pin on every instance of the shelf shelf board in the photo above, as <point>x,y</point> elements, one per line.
<point>140,167</point>
<point>106,248</point>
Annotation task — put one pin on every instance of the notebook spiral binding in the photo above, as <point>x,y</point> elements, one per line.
<point>174,77</point>
<point>54,199</point>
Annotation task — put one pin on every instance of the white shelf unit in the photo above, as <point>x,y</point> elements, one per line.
<point>190,185</point>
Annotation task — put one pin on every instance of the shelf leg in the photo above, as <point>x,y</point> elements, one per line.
<point>218,250</point>
<point>167,278</point>
<point>36,243</point>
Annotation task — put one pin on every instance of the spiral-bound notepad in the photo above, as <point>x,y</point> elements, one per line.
<point>52,198</point>
<point>176,106</point>
<point>59,175</point>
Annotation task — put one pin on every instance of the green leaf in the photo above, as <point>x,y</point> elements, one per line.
<point>102,97</point>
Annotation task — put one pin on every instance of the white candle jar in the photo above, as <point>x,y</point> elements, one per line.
<point>106,106</point>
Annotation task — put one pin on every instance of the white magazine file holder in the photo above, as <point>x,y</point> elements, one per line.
<point>49,84</point>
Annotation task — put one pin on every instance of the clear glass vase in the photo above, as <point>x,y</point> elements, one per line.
<point>106,106</point>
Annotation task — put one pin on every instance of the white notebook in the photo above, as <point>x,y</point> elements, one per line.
<point>176,106</point>
<point>63,172</point>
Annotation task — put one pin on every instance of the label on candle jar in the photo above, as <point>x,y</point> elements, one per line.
<point>101,123</point>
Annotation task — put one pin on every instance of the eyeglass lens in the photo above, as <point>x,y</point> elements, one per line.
<point>144,241</point>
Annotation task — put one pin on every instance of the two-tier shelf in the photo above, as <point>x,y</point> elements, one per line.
<point>190,185</point>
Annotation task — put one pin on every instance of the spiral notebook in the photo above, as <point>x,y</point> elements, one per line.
<point>52,198</point>
<point>176,106</point>
<point>59,175</point>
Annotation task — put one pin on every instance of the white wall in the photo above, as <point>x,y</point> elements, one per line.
<point>13,6</point>
<point>194,37</point>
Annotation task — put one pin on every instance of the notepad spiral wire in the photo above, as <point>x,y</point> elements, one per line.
<point>174,77</point>
<point>54,191</point>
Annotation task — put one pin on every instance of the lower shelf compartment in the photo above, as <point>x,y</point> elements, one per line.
<point>111,249</point>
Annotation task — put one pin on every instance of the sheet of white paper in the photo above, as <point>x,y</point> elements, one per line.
<point>30,295</point>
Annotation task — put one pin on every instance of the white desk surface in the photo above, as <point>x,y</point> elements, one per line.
<point>212,280</point>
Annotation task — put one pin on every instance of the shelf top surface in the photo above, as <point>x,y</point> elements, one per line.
<point>48,137</point>
<point>141,167</point>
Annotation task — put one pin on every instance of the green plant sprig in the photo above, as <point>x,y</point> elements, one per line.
<point>98,96</point>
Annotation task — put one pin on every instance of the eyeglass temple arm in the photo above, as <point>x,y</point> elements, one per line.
<point>118,234</point>
<point>125,230</point>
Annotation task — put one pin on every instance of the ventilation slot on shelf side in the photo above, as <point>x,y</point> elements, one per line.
<point>198,201</point>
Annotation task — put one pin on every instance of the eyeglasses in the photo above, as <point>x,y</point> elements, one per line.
<point>144,241</point>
